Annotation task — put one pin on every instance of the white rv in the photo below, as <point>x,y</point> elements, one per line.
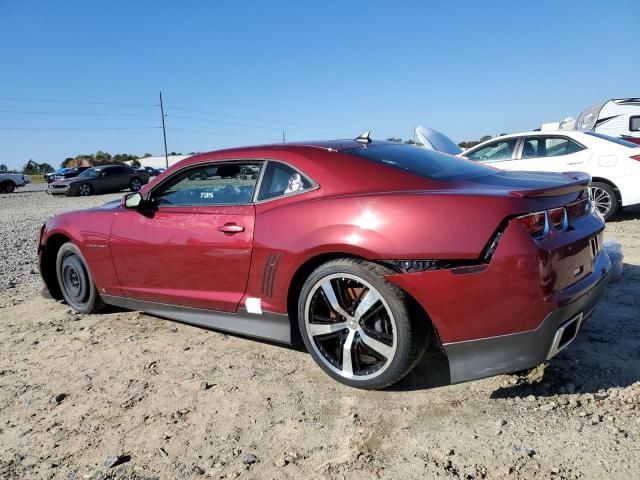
<point>618,117</point>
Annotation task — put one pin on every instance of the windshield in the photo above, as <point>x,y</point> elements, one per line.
<point>619,141</point>
<point>423,162</point>
<point>92,172</point>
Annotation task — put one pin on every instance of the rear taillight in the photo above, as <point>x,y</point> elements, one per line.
<point>578,209</point>
<point>535,223</point>
<point>557,217</point>
<point>636,157</point>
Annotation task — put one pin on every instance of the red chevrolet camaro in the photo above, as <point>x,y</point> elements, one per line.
<point>370,252</point>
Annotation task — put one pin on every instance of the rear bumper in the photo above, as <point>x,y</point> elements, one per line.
<point>474,359</point>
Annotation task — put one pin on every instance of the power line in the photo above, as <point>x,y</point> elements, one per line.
<point>78,128</point>
<point>79,102</point>
<point>246,125</point>
<point>203,112</point>
<point>31,112</point>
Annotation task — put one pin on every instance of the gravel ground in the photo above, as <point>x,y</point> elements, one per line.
<point>126,395</point>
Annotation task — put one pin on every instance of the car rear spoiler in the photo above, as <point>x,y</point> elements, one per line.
<point>580,181</point>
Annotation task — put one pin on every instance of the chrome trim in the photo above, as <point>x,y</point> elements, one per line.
<point>555,345</point>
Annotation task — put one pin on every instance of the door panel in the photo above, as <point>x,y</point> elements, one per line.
<point>179,255</point>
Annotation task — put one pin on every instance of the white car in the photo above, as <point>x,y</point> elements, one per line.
<point>614,164</point>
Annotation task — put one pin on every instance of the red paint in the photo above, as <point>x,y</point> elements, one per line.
<point>198,257</point>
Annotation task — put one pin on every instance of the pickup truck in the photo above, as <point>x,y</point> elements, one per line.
<point>9,181</point>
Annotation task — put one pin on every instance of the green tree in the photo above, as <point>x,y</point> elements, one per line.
<point>484,138</point>
<point>3,168</point>
<point>147,155</point>
<point>45,168</point>
<point>31,168</point>
<point>136,163</point>
<point>394,139</point>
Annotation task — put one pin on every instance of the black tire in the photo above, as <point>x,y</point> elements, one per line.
<point>403,339</point>
<point>605,199</point>
<point>136,184</point>
<point>75,280</point>
<point>85,190</point>
<point>8,187</point>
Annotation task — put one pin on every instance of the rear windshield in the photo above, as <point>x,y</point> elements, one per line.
<point>613,139</point>
<point>423,162</point>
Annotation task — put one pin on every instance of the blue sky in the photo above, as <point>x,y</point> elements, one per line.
<point>315,69</point>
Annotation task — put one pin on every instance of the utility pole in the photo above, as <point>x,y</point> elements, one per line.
<point>164,133</point>
<point>283,138</point>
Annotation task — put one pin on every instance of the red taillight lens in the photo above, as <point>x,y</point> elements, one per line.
<point>534,223</point>
<point>556,217</point>
<point>578,209</point>
<point>636,157</point>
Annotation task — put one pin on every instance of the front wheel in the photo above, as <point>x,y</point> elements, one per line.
<point>85,190</point>
<point>8,187</point>
<point>604,199</point>
<point>356,325</point>
<point>75,280</point>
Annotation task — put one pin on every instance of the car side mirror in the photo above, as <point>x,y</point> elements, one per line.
<point>132,201</point>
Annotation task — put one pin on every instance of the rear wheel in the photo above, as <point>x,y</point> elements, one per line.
<point>75,281</point>
<point>356,325</point>
<point>604,199</point>
<point>85,190</point>
<point>135,185</point>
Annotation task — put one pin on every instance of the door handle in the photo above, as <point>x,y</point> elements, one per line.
<point>574,163</point>
<point>231,228</point>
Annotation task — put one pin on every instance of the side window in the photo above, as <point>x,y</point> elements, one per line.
<point>544,147</point>
<point>574,147</point>
<point>634,123</point>
<point>556,147</point>
<point>280,179</point>
<point>224,184</point>
<point>496,151</point>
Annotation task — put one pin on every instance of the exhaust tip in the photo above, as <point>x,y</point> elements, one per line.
<point>565,334</point>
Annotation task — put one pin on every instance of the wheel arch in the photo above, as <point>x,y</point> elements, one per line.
<point>611,184</point>
<point>309,265</point>
<point>48,263</point>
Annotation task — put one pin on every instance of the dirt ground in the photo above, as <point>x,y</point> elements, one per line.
<point>127,395</point>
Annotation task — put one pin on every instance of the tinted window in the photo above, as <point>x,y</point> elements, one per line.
<point>280,179</point>
<point>420,161</point>
<point>612,139</point>
<point>634,124</point>
<point>495,151</point>
<point>226,184</point>
<point>539,147</point>
<point>91,172</point>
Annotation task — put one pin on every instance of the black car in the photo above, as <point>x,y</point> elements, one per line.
<point>154,172</point>
<point>62,173</point>
<point>104,179</point>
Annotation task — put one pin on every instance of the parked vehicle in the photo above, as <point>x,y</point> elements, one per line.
<point>154,172</point>
<point>618,117</point>
<point>62,173</point>
<point>498,269</point>
<point>9,181</point>
<point>104,179</point>
<point>613,164</point>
